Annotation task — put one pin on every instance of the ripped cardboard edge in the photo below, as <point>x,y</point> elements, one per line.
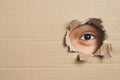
<point>104,51</point>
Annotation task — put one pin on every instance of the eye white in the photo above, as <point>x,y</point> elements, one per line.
<point>87,37</point>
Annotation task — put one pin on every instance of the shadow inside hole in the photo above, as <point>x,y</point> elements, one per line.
<point>64,40</point>
<point>79,61</point>
<point>100,56</point>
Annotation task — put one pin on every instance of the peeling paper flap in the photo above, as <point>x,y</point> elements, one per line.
<point>68,43</point>
<point>105,50</point>
<point>84,57</point>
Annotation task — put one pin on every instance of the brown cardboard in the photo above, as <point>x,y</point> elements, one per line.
<point>31,36</point>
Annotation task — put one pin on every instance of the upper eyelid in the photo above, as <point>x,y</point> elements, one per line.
<point>88,33</point>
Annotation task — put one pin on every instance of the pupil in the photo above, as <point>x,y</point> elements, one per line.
<point>87,37</point>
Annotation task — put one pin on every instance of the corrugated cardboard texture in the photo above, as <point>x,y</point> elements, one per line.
<point>31,39</point>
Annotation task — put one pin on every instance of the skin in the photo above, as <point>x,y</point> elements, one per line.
<point>90,46</point>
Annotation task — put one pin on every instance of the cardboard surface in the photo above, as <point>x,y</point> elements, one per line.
<point>31,39</point>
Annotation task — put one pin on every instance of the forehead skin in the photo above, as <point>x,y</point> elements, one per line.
<point>86,46</point>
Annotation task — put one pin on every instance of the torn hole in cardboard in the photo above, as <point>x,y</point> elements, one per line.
<point>87,38</point>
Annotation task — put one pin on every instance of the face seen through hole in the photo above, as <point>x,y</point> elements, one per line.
<point>86,38</point>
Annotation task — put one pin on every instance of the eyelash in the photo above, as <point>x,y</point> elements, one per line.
<point>87,37</point>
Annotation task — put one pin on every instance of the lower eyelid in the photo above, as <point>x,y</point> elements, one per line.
<point>86,42</point>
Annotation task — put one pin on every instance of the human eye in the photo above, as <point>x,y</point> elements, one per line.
<point>87,37</point>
